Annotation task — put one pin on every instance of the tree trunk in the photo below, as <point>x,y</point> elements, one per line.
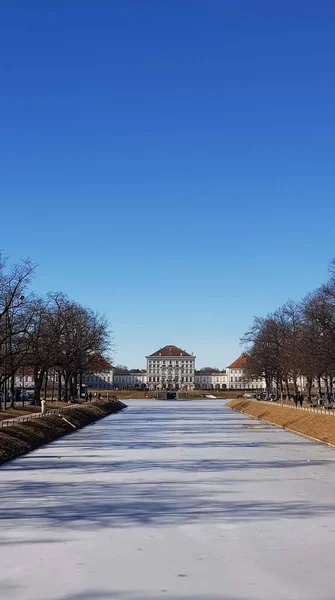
<point>281,388</point>
<point>295,385</point>
<point>53,385</point>
<point>5,389</point>
<point>12,391</point>
<point>23,388</point>
<point>309,388</point>
<point>59,386</point>
<point>66,386</point>
<point>36,399</point>
<point>40,384</point>
<point>287,385</point>
<point>38,378</point>
<point>268,386</point>
<point>45,385</point>
<point>319,385</point>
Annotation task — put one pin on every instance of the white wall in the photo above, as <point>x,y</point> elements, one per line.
<point>238,381</point>
<point>170,371</point>
<point>211,380</point>
<point>103,381</point>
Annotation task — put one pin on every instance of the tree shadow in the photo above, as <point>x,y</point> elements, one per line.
<point>22,542</point>
<point>99,504</point>
<point>90,489</point>
<point>99,463</point>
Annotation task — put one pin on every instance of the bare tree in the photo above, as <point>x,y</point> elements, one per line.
<point>40,337</point>
<point>14,281</point>
<point>289,321</point>
<point>296,339</point>
<point>261,357</point>
<point>83,335</point>
<point>49,335</point>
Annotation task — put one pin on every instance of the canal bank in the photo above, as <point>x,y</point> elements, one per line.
<point>318,426</point>
<point>23,437</point>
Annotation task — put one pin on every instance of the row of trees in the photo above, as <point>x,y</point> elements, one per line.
<point>47,334</point>
<point>297,339</point>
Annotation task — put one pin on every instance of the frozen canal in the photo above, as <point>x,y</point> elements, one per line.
<point>170,500</point>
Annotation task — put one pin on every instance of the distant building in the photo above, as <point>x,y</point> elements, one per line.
<point>237,379</point>
<point>170,368</point>
<point>140,379</point>
<point>24,378</point>
<point>101,376</point>
<point>211,380</point>
<point>134,379</point>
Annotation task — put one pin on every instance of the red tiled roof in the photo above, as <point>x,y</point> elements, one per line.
<point>25,370</point>
<point>170,351</point>
<point>99,363</point>
<point>239,363</point>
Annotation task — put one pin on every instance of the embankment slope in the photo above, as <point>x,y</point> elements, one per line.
<point>316,426</point>
<point>21,438</point>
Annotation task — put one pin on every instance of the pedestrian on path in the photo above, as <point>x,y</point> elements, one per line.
<point>301,399</point>
<point>295,400</point>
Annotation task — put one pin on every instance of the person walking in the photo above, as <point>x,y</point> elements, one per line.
<point>301,399</point>
<point>295,400</point>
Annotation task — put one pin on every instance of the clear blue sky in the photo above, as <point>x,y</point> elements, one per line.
<point>170,163</point>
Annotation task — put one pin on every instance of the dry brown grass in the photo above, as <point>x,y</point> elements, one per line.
<point>11,413</point>
<point>318,426</point>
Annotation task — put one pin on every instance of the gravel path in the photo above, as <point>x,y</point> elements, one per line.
<point>171,500</point>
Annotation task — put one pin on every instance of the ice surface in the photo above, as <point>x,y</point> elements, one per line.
<point>180,500</point>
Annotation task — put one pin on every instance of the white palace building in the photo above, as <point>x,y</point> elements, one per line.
<point>172,368</point>
<point>169,368</point>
